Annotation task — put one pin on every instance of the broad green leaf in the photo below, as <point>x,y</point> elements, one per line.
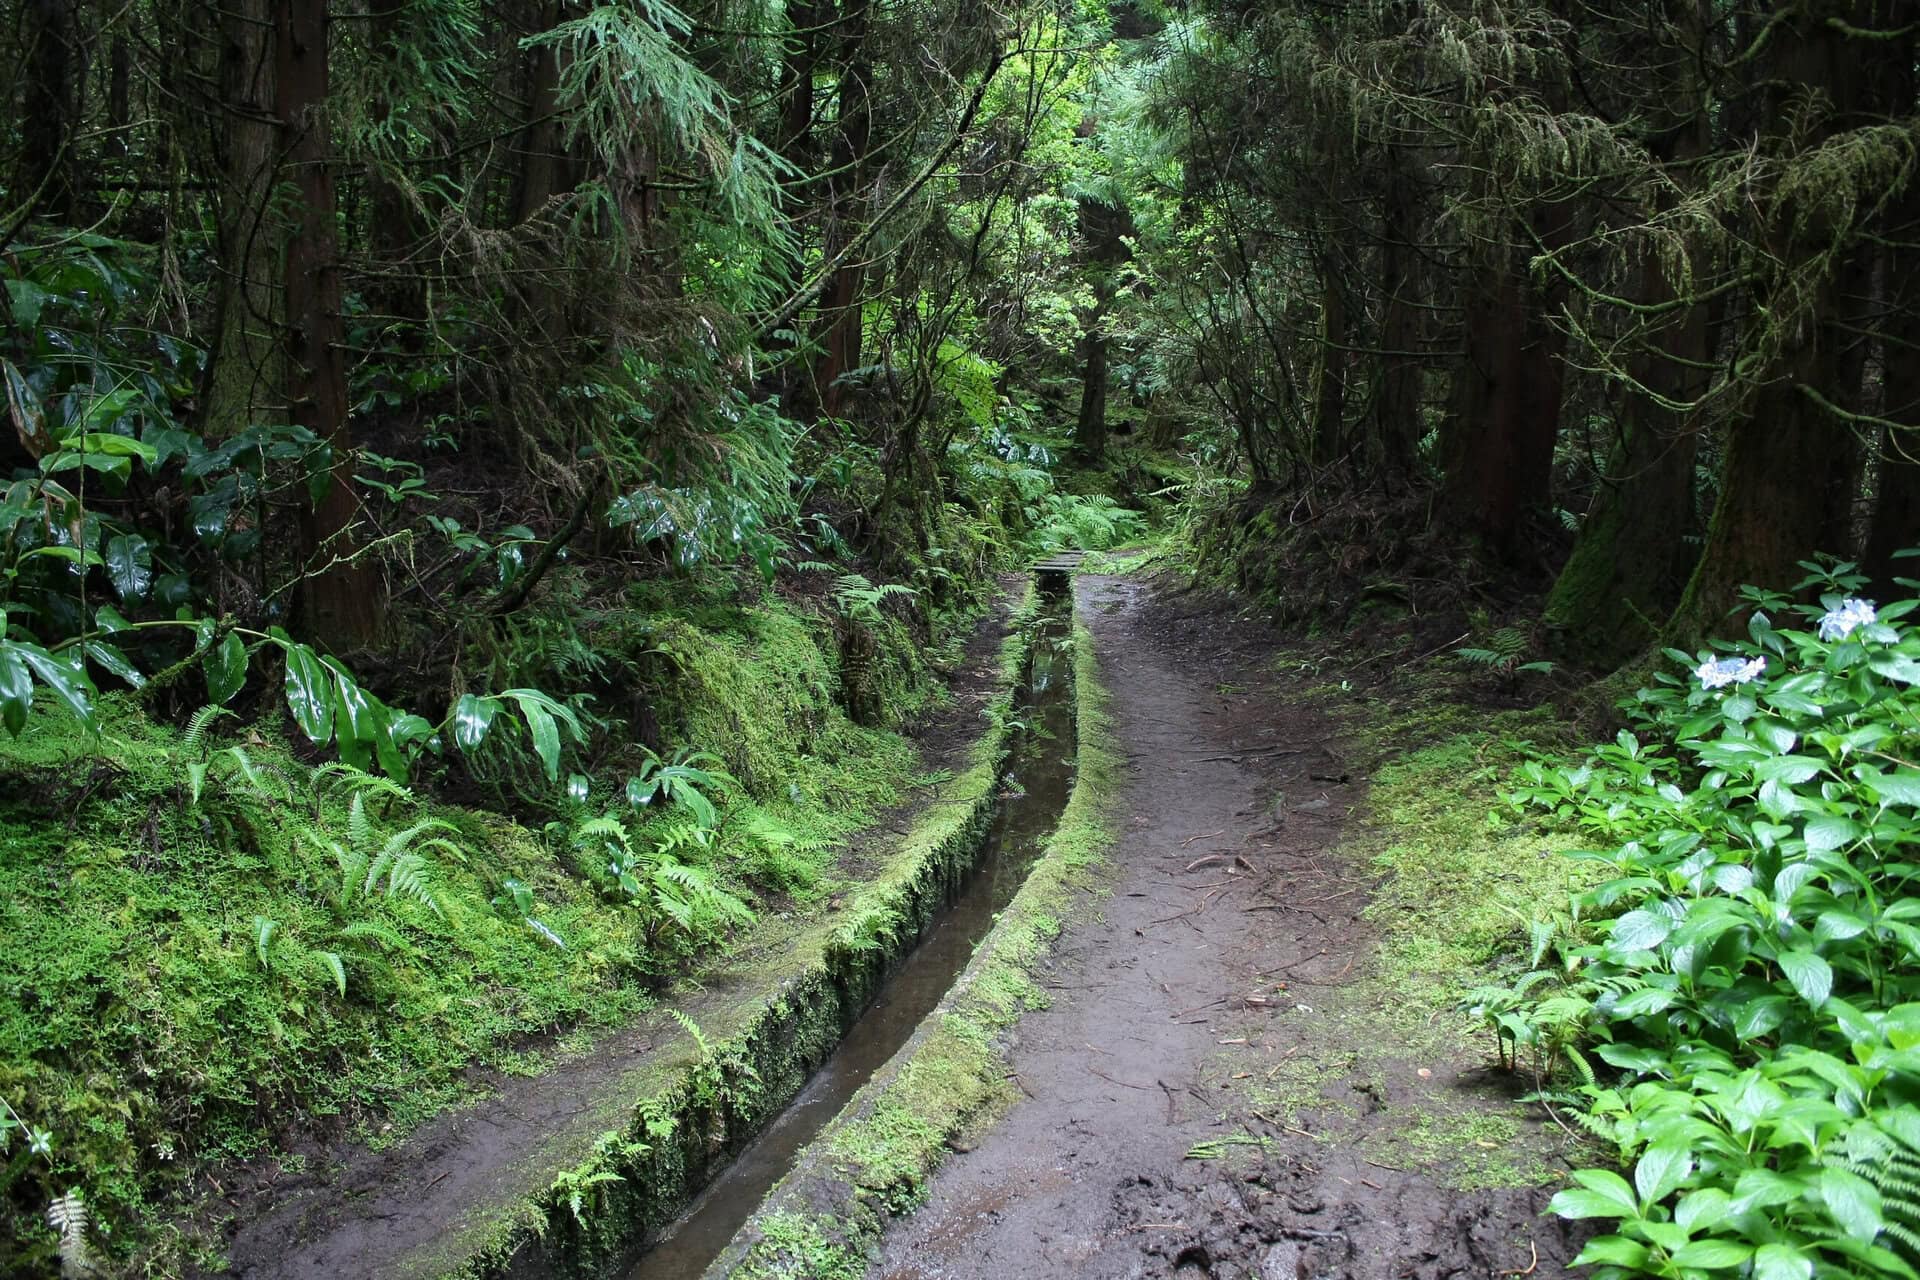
<point>1661,1170</point>
<point>1581,1202</point>
<point>1704,1207</point>
<point>115,662</point>
<point>1780,1262</point>
<point>68,685</point>
<point>1609,1187</point>
<point>309,693</point>
<point>546,736</point>
<point>1853,1202</point>
<point>1902,786</point>
<point>129,567</point>
<point>1713,1255</point>
<point>359,720</point>
<point>16,690</point>
<point>1830,833</point>
<point>472,718</point>
<point>225,666</point>
<point>1616,1251</point>
<point>1810,975</point>
<point>1641,930</point>
<point>109,619</point>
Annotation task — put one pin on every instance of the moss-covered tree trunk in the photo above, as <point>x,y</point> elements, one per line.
<point>1397,424</point>
<point>1790,460</point>
<point>1630,562</point>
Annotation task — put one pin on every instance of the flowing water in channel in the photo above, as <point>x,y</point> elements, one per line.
<point>1035,785</point>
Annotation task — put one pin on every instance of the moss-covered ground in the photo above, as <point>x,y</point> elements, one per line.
<point>211,952</point>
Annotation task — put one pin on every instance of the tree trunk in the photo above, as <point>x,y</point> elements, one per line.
<point>1789,457</point>
<point>1630,561</point>
<point>342,597</point>
<point>1329,392</point>
<point>244,383</point>
<point>1090,430</point>
<point>1397,417</point>
<point>50,37</point>
<point>1896,512</point>
<point>398,230</point>
<point>1506,412</point>
<point>843,324</point>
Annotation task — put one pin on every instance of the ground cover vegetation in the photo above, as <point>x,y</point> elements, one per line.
<point>488,484</point>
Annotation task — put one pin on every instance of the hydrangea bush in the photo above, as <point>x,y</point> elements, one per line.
<point>1747,960</point>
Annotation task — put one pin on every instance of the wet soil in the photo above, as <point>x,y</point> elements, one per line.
<point>356,1212</point>
<point>1213,1091</point>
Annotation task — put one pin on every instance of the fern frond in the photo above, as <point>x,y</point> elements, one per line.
<point>68,1216</point>
<point>194,741</point>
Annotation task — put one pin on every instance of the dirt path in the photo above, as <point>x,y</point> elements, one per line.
<point>1194,1108</point>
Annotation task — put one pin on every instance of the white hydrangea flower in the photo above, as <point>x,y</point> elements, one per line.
<point>1839,623</point>
<point>1721,672</point>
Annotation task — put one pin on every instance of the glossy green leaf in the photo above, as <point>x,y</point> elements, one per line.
<point>225,665</point>
<point>546,737</point>
<point>116,663</point>
<point>1810,975</point>
<point>1781,1262</point>
<point>1713,1255</point>
<point>129,561</point>
<point>472,719</point>
<point>1640,930</point>
<point>1661,1170</point>
<point>309,688</point>
<point>60,676</point>
<point>16,689</point>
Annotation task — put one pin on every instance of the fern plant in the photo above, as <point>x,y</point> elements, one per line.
<point>860,600</point>
<point>682,906</point>
<point>1503,653</point>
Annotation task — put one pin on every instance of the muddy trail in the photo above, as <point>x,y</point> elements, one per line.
<point>1217,1089</point>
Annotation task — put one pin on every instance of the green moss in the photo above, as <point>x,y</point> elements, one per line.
<point>1462,880</point>
<point>138,1021</point>
<point>886,1145</point>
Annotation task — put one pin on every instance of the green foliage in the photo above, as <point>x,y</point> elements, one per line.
<point>1750,971</point>
<point>1085,522</point>
<point>681,905</point>
<point>278,927</point>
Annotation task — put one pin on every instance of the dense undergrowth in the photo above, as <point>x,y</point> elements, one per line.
<point>1729,1000</point>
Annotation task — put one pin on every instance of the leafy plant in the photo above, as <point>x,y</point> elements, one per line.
<point>1503,653</point>
<point>857,598</point>
<point>682,907</point>
<point>686,780</point>
<point>1752,972</point>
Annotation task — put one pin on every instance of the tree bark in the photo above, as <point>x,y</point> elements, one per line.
<point>244,382</point>
<point>50,37</point>
<point>342,596</point>
<point>843,324</point>
<point>1090,429</point>
<point>1630,560</point>
<point>1498,446</point>
<point>1788,456</point>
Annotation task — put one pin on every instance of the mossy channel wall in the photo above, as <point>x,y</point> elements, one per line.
<point>596,1214</point>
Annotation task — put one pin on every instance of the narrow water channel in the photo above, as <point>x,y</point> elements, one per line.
<point>1034,785</point>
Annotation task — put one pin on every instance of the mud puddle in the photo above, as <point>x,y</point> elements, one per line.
<point>1035,785</point>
